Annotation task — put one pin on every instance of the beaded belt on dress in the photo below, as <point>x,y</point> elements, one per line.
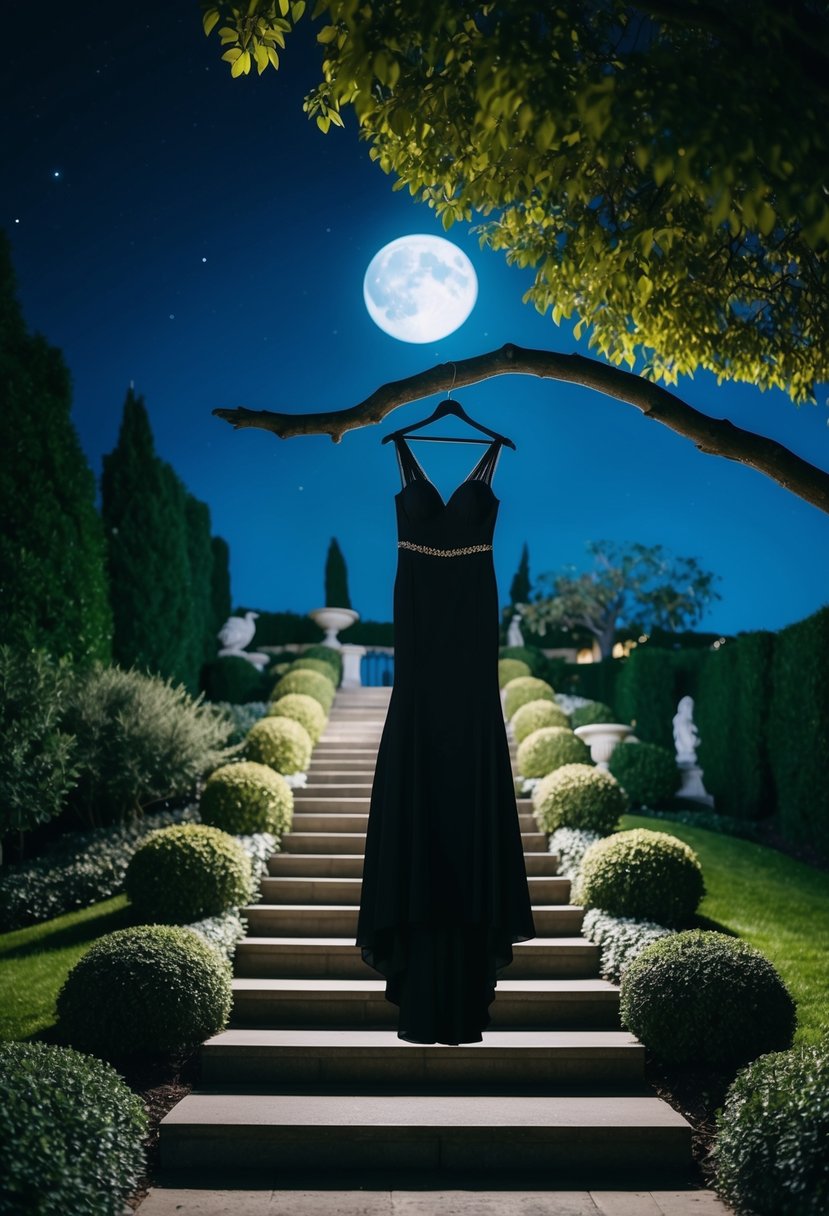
<point>407,544</point>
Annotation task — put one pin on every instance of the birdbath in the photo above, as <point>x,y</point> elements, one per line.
<point>601,738</point>
<point>332,620</point>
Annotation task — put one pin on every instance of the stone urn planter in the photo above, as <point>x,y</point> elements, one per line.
<point>601,738</point>
<point>332,620</point>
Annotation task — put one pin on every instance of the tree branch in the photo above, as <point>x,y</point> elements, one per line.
<point>715,436</point>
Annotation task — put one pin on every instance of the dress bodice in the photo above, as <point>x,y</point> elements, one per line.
<point>466,518</point>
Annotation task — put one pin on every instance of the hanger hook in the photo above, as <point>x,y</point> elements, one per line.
<point>454,378</point>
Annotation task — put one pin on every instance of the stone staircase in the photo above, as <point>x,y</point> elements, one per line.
<point>310,1083</point>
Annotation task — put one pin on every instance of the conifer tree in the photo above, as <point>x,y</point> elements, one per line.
<point>220,588</point>
<point>519,592</point>
<point>200,553</point>
<point>149,566</point>
<point>336,578</point>
<point>53,587</point>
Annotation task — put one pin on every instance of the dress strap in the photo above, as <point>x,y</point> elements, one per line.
<point>410,470</point>
<point>486,466</point>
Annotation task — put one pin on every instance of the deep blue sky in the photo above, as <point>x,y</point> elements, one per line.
<point>197,235</point>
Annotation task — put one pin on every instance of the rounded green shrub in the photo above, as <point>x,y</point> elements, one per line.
<point>535,714</point>
<point>247,797</point>
<point>592,713</point>
<point>648,773</point>
<point>772,1131</point>
<point>702,997</point>
<point>579,796</point>
<point>511,669</point>
<point>534,659</point>
<point>283,743</point>
<point>321,666</point>
<point>644,874</point>
<point>311,683</point>
<point>329,654</point>
<point>547,749</point>
<point>71,1133</point>
<point>303,709</point>
<point>523,689</point>
<point>185,872</point>
<point>151,988</point>
<point>232,679</point>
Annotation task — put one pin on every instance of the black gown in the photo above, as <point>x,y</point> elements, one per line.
<point>444,894</point>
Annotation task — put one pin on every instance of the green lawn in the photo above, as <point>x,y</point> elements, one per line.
<point>35,961</point>
<point>779,905</point>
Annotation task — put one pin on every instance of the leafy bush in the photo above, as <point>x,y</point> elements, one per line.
<point>232,679</point>
<point>80,868</point>
<point>535,714</point>
<point>71,1133</point>
<point>533,658</point>
<point>311,683</point>
<point>183,873</point>
<point>223,932</point>
<point>247,797</point>
<point>591,713</point>
<point>772,1131</point>
<point>579,796</point>
<point>330,654</point>
<point>710,820</point>
<point>702,997</point>
<point>139,739</point>
<point>242,717</point>
<point>322,666</point>
<point>524,689</point>
<point>280,742</point>
<point>647,773</point>
<point>646,694</point>
<point>569,846</point>
<point>621,939</point>
<point>303,709</point>
<point>38,759</point>
<point>511,669</point>
<point>547,749</point>
<point>151,988</point>
<point>644,874</point>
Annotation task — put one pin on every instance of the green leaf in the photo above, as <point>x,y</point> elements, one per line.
<point>210,20</point>
<point>297,10</point>
<point>327,34</point>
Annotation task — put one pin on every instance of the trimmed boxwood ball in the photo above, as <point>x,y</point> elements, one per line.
<point>321,666</point>
<point>511,669</point>
<point>534,659</point>
<point>282,743</point>
<point>547,749</point>
<point>702,997</point>
<point>71,1133</point>
<point>592,713</point>
<point>311,683</point>
<point>247,797</point>
<point>648,773</point>
<point>303,709</point>
<point>329,654</point>
<point>185,872</point>
<point>644,874</point>
<point>579,796</point>
<point>536,714</point>
<point>523,689</point>
<point>150,988</point>
<point>772,1131</point>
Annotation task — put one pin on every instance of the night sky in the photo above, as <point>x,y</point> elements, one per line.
<point>199,236</point>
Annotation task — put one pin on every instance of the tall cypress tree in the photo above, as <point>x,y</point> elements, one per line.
<point>519,592</point>
<point>53,587</point>
<point>336,578</point>
<point>220,584</point>
<point>200,553</point>
<point>149,565</point>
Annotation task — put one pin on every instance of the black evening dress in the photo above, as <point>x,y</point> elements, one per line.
<point>444,894</point>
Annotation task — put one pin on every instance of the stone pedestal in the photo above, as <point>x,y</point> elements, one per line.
<point>352,656</point>
<point>692,786</point>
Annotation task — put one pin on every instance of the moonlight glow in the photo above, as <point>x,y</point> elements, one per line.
<point>420,288</point>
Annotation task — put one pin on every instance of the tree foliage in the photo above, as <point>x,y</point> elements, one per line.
<point>53,589</point>
<point>637,586</point>
<point>520,586</point>
<point>336,577</point>
<point>624,151</point>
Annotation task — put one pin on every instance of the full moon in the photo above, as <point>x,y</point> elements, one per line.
<point>420,288</point>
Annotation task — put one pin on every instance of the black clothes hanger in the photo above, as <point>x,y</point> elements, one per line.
<point>449,406</point>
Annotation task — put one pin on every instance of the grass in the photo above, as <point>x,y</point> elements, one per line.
<point>36,960</point>
<point>775,903</point>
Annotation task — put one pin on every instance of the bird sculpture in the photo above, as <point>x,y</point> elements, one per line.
<point>237,631</point>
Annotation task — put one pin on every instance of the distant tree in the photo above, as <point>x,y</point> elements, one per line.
<point>640,587</point>
<point>336,578</point>
<point>149,565</point>
<point>220,587</point>
<point>200,554</point>
<point>519,592</point>
<point>53,587</point>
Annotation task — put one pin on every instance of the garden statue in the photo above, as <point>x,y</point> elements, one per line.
<point>686,741</point>
<point>514,635</point>
<point>236,633</point>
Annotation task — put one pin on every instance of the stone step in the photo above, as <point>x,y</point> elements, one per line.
<point>640,1136</point>
<point>323,776</point>
<point>339,958</point>
<point>520,1004</point>
<point>256,1059</point>
<point>354,799</point>
<point>355,842</point>
<point>344,750</point>
<point>346,865</point>
<point>346,763</point>
<point>344,820</point>
<point>347,786</point>
<point>292,889</point>
<point>340,920</point>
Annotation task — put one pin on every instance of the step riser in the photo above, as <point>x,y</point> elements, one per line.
<point>354,802</point>
<point>270,962</point>
<point>274,921</point>
<point>348,891</point>
<point>343,842</point>
<point>319,865</point>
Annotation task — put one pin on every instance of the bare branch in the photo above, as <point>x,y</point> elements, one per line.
<point>714,436</point>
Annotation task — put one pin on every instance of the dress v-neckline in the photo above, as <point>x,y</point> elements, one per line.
<point>428,480</point>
